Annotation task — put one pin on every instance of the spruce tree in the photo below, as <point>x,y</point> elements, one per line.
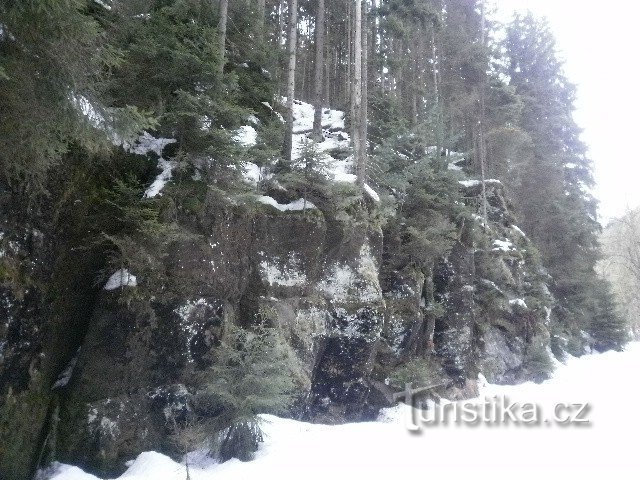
<point>52,64</point>
<point>251,375</point>
<point>607,327</point>
<point>552,197</point>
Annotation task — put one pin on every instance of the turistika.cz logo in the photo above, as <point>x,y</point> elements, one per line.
<point>493,410</point>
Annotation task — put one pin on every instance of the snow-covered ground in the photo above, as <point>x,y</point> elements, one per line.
<point>334,137</point>
<point>603,448</point>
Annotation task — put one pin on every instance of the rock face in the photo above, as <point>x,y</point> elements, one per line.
<point>39,330</point>
<point>513,302</point>
<point>23,365</point>
<point>294,270</point>
<point>494,301</point>
<point>454,288</point>
<point>318,280</point>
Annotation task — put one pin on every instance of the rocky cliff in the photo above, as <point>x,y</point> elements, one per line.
<point>94,372</point>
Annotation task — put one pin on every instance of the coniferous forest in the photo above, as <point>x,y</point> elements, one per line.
<point>211,209</point>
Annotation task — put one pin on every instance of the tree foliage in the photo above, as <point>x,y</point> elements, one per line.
<point>251,375</point>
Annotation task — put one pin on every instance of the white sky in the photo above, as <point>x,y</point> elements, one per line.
<point>599,42</point>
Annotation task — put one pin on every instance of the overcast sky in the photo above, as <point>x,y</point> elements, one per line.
<point>599,42</point>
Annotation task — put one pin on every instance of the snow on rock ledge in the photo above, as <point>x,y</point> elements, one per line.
<point>295,206</point>
<point>340,174</point>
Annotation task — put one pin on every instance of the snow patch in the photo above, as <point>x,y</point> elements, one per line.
<point>295,206</point>
<point>283,273</point>
<point>64,378</point>
<point>294,449</point>
<point>475,183</point>
<point>146,143</point>
<point>333,135</point>
<point>166,172</point>
<point>103,3</point>
<point>371,192</point>
<point>121,278</point>
<point>453,165</point>
<point>88,110</point>
<point>503,246</point>
<point>519,302</point>
<point>518,230</point>
<point>340,173</point>
<point>345,282</point>
<point>246,136</point>
<point>333,138</point>
<point>303,115</point>
<point>251,173</point>
<point>60,471</point>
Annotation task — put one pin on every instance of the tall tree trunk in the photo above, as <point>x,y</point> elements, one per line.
<point>481,140</point>
<point>413,60</point>
<point>327,68</point>
<point>222,34</point>
<point>279,40</point>
<point>291,78</point>
<point>357,91</point>
<point>261,17</point>
<point>373,44</point>
<point>317,118</point>
<point>436,92</point>
<point>365,89</point>
<point>349,90</point>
